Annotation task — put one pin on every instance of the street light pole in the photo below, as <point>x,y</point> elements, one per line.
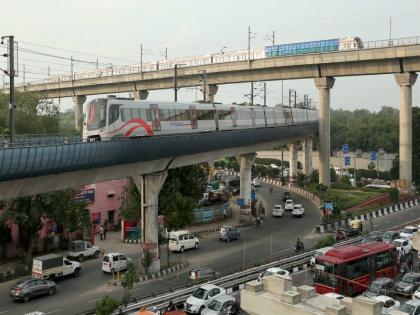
<point>176,83</point>
<point>11,73</point>
<point>204,86</point>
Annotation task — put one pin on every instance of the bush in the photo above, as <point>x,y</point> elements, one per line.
<point>146,260</point>
<point>328,240</point>
<point>106,306</point>
<point>394,195</point>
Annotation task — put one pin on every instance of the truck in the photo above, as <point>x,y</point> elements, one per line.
<point>82,249</point>
<point>54,266</point>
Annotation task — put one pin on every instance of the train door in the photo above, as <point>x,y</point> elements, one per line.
<point>193,115</point>
<point>233,116</point>
<point>252,114</point>
<point>155,113</point>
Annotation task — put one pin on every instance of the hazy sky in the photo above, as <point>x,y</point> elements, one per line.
<point>115,29</point>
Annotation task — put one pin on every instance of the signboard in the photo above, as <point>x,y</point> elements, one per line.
<point>86,194</point>
<point>346,161</point>
<point>345,148</point>
<point>373,156</point>
<point>329,206</point>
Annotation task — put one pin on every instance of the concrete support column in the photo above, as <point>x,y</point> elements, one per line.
<point>292,162</point>
<point>140,95</point>
<point>211,91</point>
<point>324,85</point>
<point>307,156</point>
<point>245,162</point>
<point>406,81</point>
<point>78,111</point>
<point>149,187</point>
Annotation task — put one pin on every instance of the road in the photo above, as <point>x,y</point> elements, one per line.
<point>275,236</point>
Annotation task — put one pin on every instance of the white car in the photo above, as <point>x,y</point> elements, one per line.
<point>202,297</point>
<point>278,211</point>
<point>416,294</point>
<point>389,303</point>
<point>179,241</point>
<point>288,204</point>
<point>319,252</point>
<point>334,295</point>
<point>408,232</point>
<point>272,271</point>
<point>256,182</point>
<point>402,243</point>
<point>114,262</point>
<point>298,211</point>
<point>223,304</point>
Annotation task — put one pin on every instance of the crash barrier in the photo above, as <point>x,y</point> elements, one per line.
<point>231,281</point>
<point>332,226</point>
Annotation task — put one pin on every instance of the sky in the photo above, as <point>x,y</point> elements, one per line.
<point>112,31</point>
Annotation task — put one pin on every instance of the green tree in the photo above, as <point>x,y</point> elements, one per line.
<point>128,280</point>
<point>106,306</point>
<point>394,194</point>
<point>146,260</point>
<point>130,206</point>
<point>327,240</point>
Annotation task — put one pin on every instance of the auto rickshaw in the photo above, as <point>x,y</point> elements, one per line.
<point>356,225</point>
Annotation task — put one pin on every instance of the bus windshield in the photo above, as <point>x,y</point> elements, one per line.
<point>325,273</point>
<point>96,114</point>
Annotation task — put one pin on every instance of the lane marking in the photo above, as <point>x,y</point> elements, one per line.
<point>55,311</point>
<point>2,312</point>
<point>95,300</point>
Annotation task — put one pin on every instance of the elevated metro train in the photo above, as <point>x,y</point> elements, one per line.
<point>113,118</point>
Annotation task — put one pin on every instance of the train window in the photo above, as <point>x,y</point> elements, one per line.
<point>126,114</point>
<point>114,113</point>
<point>205,115</point>
<point>185,115</point>
<point>224,114</point>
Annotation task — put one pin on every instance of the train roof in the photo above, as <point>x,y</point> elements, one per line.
<point>348,253</point>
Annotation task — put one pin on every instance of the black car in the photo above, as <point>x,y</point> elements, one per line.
<point>286,195</point>
<point>27,289</point>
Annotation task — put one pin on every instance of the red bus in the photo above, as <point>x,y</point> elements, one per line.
<point>350,269</point>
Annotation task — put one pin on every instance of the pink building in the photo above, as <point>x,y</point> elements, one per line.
<point>105,201</point>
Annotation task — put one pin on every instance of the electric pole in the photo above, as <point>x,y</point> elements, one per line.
<point>249,42</point>
<point>176,82</point>
<point>24,73</point>
<point>265,94</point>
<point>252,94</point>
<point>141,59</point>
<point>71,65</point>
<point>11,73</point>
<point>166,53</point>
<point>204,86</point>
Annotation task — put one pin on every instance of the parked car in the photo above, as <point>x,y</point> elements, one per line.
<point>319,252</point>
<point>416,294</point>
<point>402,243</point>
<point>288,205</point>
<point>54,266</point>
<point>202,297</point>
<point>179,241</point>
<point>202,273</point>
<point>29,288</point>
<point>278,211</point>
<point>408,232</point>
<point>408,284</point>
<point>286,195</point>
<point>114,262</point>
<point>256,182</point>
<point>411,307</point>
<point>82,249</point>
<point>228,233</point>
<point>298,211</point>
<point>380,286</point>
<point>273,270</point>
<point>389,303</point>
<point>222,305</point>
<point>389,236</point>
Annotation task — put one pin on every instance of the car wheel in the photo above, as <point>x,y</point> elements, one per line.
<point>80,258</point>
<point>26,298</point>
<point>51,291</point>
<point>97,253</point>
<point>76,272</point>
<point>196,245</point>
<point>201,309</point>
<point>239,236</point>
<point>228,239</point>
<point>181,249</point>
<point>112,270</point>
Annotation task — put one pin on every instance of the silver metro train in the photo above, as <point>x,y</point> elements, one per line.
<point>112,118</point>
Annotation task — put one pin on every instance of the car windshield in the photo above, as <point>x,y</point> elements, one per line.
<point>396,243</point>
<point>277,207</point>
<point>215,305</point>
<point>408,230</point>
<point>200,293</point>
<point>408,308</point>
<point>106,259</point>
<point>387,235</point>
<point>223,229</point>
<point>375,287</point>
<point>408,278</point>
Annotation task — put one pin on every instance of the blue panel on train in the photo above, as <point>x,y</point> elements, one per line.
<point>302,48</point>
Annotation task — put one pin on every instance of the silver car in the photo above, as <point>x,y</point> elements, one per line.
<point>222,305</point>
<point>29,288</point>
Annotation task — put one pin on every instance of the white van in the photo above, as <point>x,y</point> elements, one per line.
<point>114,262</point>
<point>179,241</point>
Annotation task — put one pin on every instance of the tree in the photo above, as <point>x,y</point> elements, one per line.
<point>130,206</point>
<point>146,260</point>
<point>394,194</point>
<point>325,241</point>
<point>106,306</point>
<point>128,280</point>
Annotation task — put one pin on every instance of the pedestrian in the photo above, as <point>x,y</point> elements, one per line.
<point>101,231</point>
<point>371,225</point>
<point>105,225</point>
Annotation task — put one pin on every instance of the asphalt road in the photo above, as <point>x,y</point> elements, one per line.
<point>275,236</point>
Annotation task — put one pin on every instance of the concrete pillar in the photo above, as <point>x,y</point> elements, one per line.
<point>307,156</point>
<point>406,81</point>
<point>78,111</point>
<point>324,85</point>
<point>149,187</point>
<point>292,162</point>
<point>140,95</point>
<point>245,162</point>
<point>211,91</point>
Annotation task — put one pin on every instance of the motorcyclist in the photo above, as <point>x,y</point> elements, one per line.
<point>271,188</point>
<point>299,246</point>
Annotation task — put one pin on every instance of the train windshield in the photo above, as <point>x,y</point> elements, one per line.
<point>96,114</point>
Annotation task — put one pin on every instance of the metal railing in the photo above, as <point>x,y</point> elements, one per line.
<point>37,140</point>
<point>197,61</point>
